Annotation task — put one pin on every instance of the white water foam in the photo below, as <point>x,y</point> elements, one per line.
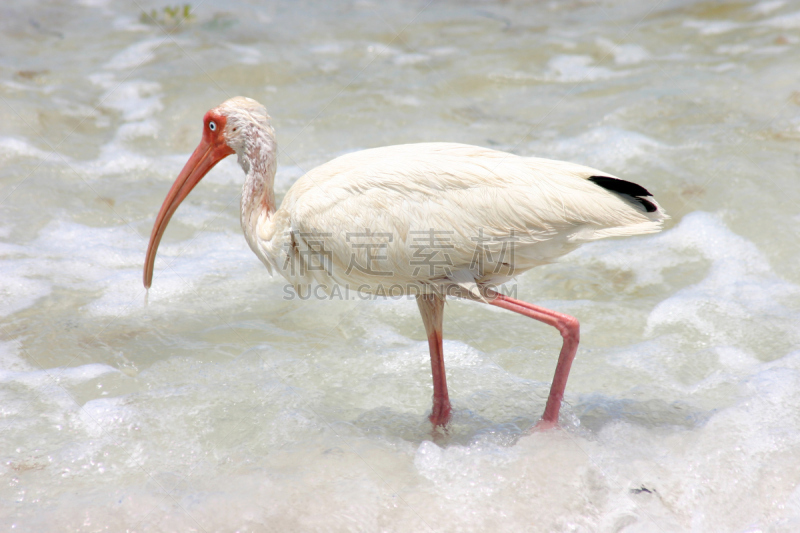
<point>712,27</point>
<point>740,296</point>
<point>624,54</point>
<point>602,147</point>
<point>575,68</point>
<point>787,22</point>
<point>137,54</point>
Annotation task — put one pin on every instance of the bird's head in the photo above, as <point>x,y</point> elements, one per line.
<point>243,121</point>
<point>227,129</point>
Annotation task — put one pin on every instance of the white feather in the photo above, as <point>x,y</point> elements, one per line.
<point>456,200</point>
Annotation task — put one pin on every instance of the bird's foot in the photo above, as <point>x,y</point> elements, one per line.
<point>440,415</point>
<point>543,425</point>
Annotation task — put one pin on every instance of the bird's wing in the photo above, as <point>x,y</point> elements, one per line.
<point>422,211</point>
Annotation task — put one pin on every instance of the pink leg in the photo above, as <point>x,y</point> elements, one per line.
<point>570,331</point>
<point>431,307</point>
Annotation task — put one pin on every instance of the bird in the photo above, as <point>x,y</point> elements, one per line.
<point>425,220</point>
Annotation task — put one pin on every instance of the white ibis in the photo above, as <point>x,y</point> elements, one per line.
<point>430,220</point>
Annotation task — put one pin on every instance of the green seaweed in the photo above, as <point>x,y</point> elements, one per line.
<point>169,17</point>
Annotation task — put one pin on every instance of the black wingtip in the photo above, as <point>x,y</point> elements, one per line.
<point>625,187</point>
<point>648,205</point>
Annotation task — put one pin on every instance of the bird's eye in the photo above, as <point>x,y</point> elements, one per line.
<point>212,126</point>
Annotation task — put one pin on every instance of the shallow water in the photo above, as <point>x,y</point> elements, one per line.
<point>214,404</point>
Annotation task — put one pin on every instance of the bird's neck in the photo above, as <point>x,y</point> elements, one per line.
<point>259,162</point>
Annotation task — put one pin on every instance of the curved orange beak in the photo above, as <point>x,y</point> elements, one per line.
<point>211,150</point>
